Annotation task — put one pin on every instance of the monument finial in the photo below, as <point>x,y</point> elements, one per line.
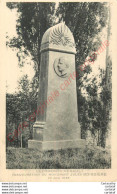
<point>59,37</point>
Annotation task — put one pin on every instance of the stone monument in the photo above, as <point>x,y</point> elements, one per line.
<point>56,125</point>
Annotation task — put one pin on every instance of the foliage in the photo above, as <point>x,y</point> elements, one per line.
<point>13,116</point>
<point>19,107</point>
<point>33,20</point>
<point>85,20</point>
<point>95,108</point>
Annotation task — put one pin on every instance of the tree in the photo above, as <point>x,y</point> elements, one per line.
<point>94,116</point>
<point>12,117</point>
<point>33,20</point>
<point>85,20</point>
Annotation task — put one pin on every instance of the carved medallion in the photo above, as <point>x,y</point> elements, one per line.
<point>61,67</point>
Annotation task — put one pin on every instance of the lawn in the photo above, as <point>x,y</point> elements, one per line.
<point>77,158</point>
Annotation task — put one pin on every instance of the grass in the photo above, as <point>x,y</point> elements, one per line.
<point>77,158</point>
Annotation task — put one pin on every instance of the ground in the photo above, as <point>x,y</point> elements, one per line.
<point>77,158</point>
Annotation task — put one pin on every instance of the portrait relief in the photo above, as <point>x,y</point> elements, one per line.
<point>61,67</point>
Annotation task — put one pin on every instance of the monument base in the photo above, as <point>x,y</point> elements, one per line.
<point>56,145</point>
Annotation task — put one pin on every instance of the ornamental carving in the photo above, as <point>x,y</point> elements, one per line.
<point>60,36</point>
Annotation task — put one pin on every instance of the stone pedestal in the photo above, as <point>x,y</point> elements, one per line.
<point>56,125</point>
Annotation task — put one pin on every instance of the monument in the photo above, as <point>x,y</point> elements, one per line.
<point>56,125</point>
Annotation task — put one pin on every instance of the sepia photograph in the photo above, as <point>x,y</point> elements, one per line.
<point>58,85</point>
